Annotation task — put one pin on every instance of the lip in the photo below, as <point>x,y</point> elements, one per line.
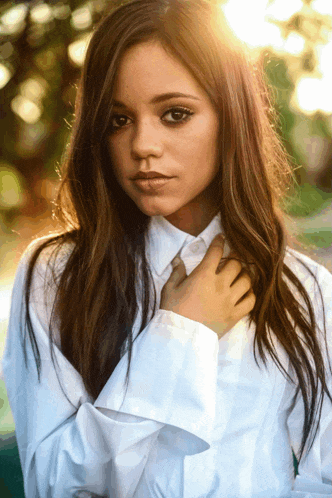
<point>150,174</point>
<point>152,184</point>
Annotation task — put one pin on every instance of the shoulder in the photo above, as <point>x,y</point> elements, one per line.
<point>315,278</point>
<point>44,260</point>
<point>39,269</point>
<point>317,281</point>
<point>48,257</point>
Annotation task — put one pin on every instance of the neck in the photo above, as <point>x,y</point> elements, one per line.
<point>192,219</point>
<point>195,216</point>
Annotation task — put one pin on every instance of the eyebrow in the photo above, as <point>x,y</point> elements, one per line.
<point>160,98</point>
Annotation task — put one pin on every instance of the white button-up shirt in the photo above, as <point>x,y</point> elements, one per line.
<point>200,419</point>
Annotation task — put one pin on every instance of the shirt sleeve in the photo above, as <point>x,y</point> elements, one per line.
<point>314,479</point>
<point>105,445</point>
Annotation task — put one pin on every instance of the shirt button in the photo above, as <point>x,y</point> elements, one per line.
<point>195,247</point>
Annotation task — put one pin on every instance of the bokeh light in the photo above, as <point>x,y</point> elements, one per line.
<point>13,19</point>
<point>5,75</point>
<point>26,109</point>
<point>33,89</point>
<point>77,49</point>
<point>81,18</point>
<point>41,13</point>
<point>61,11</point>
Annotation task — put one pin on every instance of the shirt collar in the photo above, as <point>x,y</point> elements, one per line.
<point>165,241</point>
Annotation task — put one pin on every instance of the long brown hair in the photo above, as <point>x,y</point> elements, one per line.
<point>96,302</point>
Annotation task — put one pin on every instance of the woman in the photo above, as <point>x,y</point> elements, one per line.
<point>139,274</point>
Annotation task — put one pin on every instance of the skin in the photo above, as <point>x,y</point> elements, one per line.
<point>146,140</point>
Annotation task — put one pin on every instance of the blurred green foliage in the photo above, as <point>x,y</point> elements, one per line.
<point>39,68</point>
<point>321,238</point>
<point>11,187</point>
<point>307,200</point>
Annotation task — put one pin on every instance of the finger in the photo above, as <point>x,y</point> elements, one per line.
<point>224,261</point>
<point>230,271</point>
<point>175,262</point>
<point>178,273</point>
<point>213,254</point>
<point>241,287</point>
<point>246,305</point>
<point>234,256</point>
<point>243,276</point>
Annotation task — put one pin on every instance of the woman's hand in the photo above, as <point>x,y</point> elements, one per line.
<point>218,300</point>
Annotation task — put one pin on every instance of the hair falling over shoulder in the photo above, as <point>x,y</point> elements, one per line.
<point>96,302</point>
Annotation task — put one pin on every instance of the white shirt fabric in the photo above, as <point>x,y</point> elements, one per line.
<point>200,418</point>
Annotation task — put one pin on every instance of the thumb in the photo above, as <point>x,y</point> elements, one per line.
<point>213,254</point>
<point>179,270</point>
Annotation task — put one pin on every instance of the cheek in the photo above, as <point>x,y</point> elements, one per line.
<point>201,156</point>
<point>204,139</point>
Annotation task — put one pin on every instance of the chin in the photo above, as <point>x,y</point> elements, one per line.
<point>155,210</point>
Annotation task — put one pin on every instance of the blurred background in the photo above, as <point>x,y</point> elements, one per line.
<point>42,48</point>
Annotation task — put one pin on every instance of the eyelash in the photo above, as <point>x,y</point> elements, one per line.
<point>181,110</point>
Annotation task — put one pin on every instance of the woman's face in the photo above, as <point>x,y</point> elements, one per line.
<point>176,136</point>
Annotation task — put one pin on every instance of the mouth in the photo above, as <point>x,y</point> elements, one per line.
<point>149,185</point>
<point>149,176</point>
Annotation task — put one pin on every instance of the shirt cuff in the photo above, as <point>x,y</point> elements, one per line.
<point>173,375</point>
<point>306,488</point>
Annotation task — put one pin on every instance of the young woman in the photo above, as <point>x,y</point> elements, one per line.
<point>186,380</point>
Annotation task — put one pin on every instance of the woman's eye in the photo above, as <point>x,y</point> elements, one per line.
<point>119,120</point>
<point>176,111</point>
<point>118,117</point>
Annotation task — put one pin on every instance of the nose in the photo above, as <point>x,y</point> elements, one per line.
<point>147,141</point>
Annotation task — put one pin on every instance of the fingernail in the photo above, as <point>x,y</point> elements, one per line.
<point>176,261</point>
<point>220,237</point>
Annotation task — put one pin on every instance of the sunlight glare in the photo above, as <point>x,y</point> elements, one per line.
<point>255,25</point>
<point>282,10</point>
<point>323,7</point>
<point>324,55</point>
<point>252,26</point>
<point>313,94</point>
<point>294,44</point>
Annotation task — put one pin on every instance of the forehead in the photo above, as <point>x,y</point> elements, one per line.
<point>147,69</point>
